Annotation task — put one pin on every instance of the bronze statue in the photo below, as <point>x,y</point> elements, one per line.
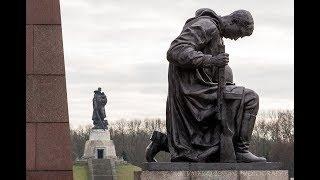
<point>208,117</point>
<point>99,101</point>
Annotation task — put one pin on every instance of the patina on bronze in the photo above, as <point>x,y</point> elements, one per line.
<point>99,101</point>
<point>208,117</point>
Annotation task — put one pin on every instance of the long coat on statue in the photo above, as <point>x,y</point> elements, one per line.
<point>98,102</point>
<point>191,112</point>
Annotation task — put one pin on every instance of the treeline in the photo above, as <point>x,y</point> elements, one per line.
<point>273,138</point>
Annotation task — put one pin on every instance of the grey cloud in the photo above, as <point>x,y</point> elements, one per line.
<point>274,80</point>
<point>269,80</point>
<point>121,45</point>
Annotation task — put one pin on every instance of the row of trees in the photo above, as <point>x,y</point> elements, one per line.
<point>273,138</point>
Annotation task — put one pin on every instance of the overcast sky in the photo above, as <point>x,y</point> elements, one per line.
<point>121,45</point>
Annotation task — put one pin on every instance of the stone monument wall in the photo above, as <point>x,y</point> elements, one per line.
<point>211,171</point>
<point>99,139</point>
<point>48,151</point>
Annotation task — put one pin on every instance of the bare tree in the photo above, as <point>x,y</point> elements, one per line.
<point>273,137</point>
<point>79,137</point>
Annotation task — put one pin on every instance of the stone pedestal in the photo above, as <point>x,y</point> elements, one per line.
<point>212,171</point>
<point>99,140</point>
<point>101,155</point>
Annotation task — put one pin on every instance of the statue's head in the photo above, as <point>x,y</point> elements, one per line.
<point>99,89</point>
<point>237,25</point>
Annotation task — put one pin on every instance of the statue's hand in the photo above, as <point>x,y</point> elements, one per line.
<point>220,60</point>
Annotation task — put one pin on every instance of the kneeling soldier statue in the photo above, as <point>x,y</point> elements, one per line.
<point>208,117</point>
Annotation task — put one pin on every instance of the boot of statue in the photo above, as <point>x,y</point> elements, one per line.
<point>159,142</point>
<point>243,155</point>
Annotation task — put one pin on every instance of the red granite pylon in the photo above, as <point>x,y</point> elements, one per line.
<point>48,153</point>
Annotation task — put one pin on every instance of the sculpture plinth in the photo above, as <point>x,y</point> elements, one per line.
<point>221,171</point>
<point>99,145</point>
<point>101,155</point>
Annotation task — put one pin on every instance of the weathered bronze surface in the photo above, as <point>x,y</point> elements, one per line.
<point>208,117</point>
<point>99,101</point>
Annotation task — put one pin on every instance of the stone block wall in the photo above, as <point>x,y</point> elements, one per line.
<point>48,151</point>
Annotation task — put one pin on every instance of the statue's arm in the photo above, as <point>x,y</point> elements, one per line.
<point>185,50</point>
<point>104,99</point>
<point>95,105</point>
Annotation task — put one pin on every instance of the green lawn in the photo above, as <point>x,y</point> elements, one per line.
<point>124,172</point>
<point>80,172</point>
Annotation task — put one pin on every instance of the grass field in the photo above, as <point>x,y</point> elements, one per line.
<point>80,172</point>
<point>124,172</point>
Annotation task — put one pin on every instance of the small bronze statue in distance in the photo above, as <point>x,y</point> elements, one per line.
<point>98,102</point>
<point>208,117</point>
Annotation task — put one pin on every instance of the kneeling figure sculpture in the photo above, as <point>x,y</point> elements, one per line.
<point>208,117</point>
